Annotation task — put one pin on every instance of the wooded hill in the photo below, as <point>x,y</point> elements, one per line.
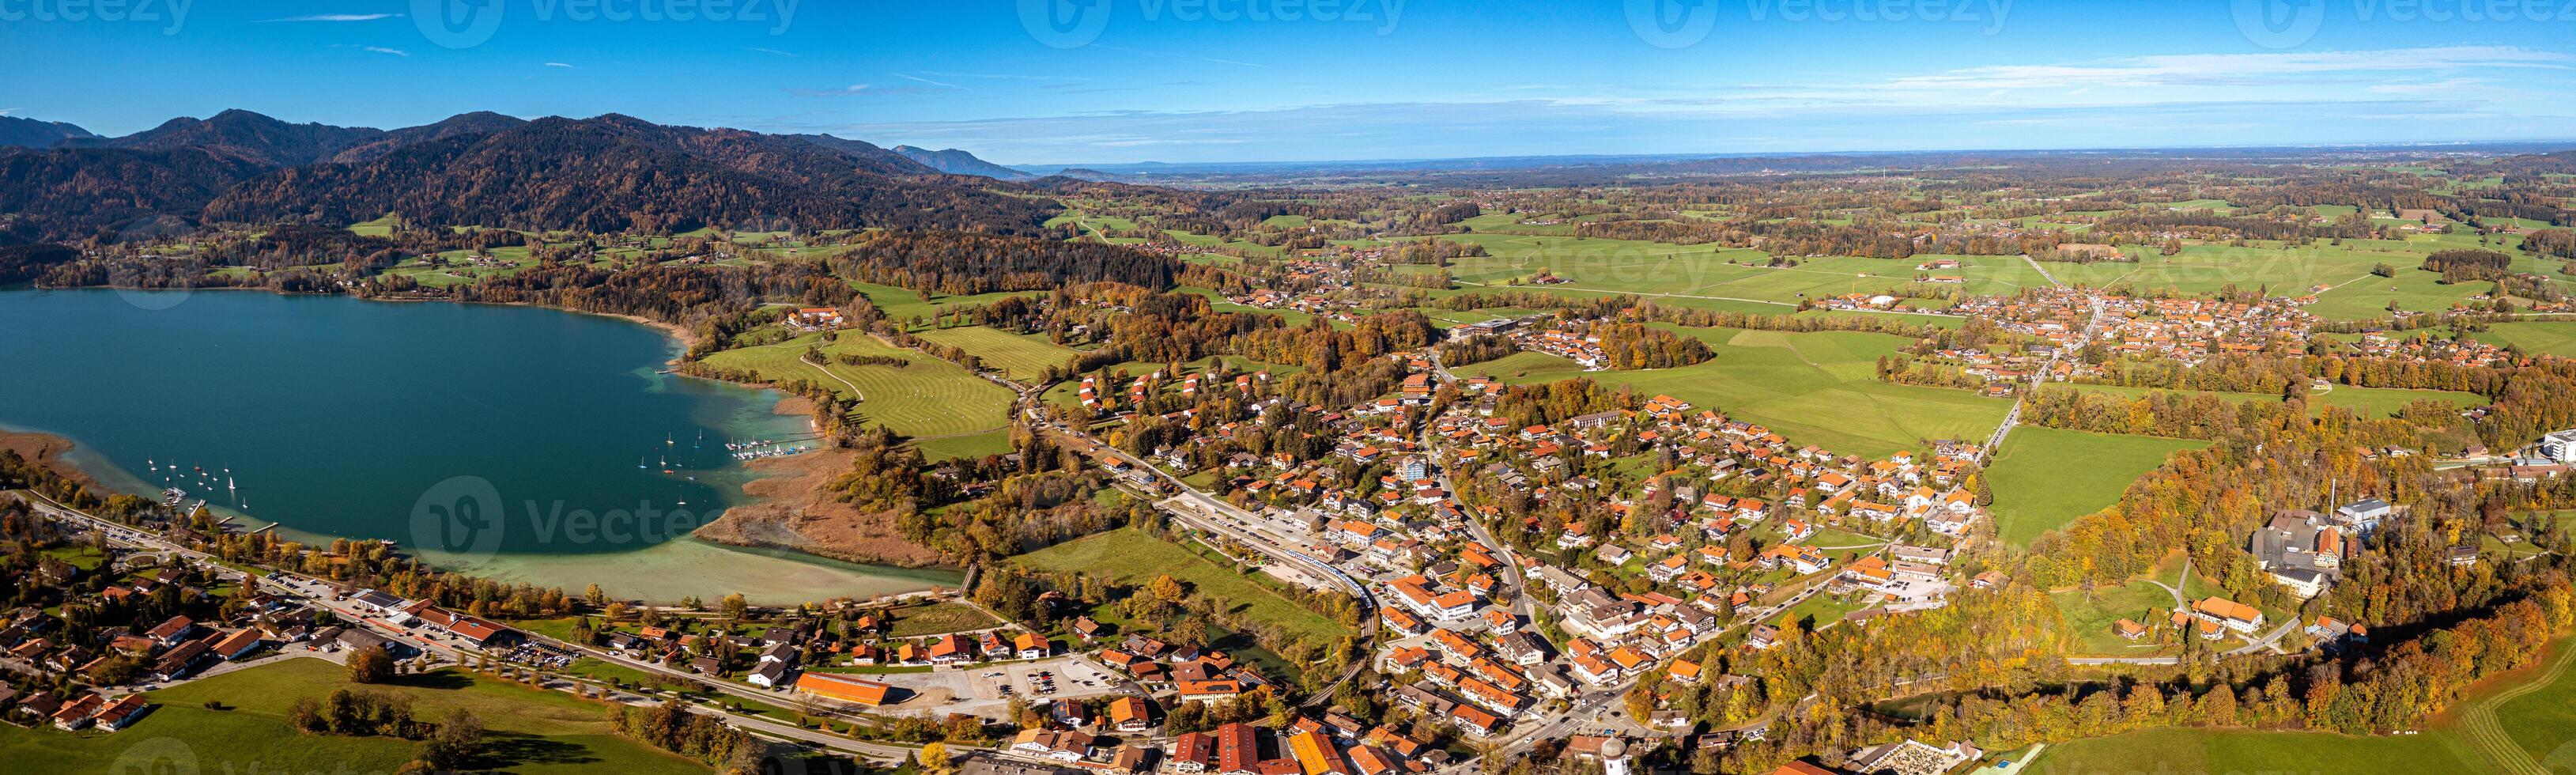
<point>610,173</point>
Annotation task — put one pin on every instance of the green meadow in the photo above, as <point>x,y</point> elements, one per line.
<point>2537,338</point>
<point>2524,721</point>
<point>927,398</point>
<point>2044,478</point>
<point>1130,556</point>
<point>2089,616</point>
<point>528,730</point>
<point>904,304</point>
<point>1020,357</point>
<point>1815,388</point>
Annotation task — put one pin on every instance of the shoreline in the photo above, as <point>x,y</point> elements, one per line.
<point>47,450</point>
<point>788,506</point>
<point>766,566</point>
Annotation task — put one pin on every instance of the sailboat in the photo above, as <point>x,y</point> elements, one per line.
<point>667,440</point>
<point>639,461</point>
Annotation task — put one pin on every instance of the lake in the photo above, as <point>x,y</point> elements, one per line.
<point>517,442</point>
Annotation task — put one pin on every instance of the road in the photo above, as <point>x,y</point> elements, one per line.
<point>1995,443</point>
<point>319,593</point>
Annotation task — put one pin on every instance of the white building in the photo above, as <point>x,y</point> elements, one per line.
<point>2559,447</point>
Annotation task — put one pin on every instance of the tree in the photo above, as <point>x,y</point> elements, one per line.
<point>934,757</point>
<point>458,739</point>
<point>1167,589</point>
<point>370,665</point>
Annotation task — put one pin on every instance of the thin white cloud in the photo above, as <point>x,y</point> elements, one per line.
<point>919,79</point>
<point>869,90</point>
<point>383,50</point>
<point>331,17</point>
<point>1002,76</point>
<point>772,51</point>
<point>559,64</point>
<point>2176,70</point>
<point>7,111</point>
<point>1180,56</point>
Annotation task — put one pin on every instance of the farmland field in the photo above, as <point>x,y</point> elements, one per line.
<point>928,398</point>
<point>903,304</point>
<point>1131,557</point>
<point>2044,478</point>
<point>1815,388</point>
<point>528,730</point>
<point>2537,338</point>
<point>1017,356</point>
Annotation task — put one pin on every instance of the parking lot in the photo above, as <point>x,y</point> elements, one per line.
<point>986,690</point>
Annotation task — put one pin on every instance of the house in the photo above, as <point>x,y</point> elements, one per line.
<point>2228,613</point>
<point>77,713</point>
<point>169,633</point>
<point>1473,720</point>
<point>1130,714</point>
<point>1065,746</point>
<point>2128,630</point>
<point>1032,646</point>
<point>180,660</point>
<point>1192,753</point>
<point>1315,753</point>
<point>236,645</point>
<point>769,675</point>
<point>1208,691</point>
<point>117,715</point>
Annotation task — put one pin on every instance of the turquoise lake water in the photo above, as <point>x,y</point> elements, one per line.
<point>478,435</point>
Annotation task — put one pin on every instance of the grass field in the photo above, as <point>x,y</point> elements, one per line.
<point>2089,616</point>
<point>940,619</point>
<point>904,304</point>
<point>1815,388</point>
<point>2546,338</point>
<point>1019,357</point>
<point>1130,556</point>
<point>928,398</point>
<point>2523,721</point>
<point>530,731</point>
<point>2044,478</point>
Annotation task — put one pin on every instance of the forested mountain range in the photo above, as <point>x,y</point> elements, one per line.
<point>31,133</point>
<point>958,162</point>
<point>608,173</point>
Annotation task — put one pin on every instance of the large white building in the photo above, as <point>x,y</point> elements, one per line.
<point>2560,446</point>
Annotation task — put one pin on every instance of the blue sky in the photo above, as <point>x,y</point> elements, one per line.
<point>1102,81</point>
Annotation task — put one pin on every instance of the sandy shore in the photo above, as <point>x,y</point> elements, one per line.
<point>791,505</point>
<point>46,449</point>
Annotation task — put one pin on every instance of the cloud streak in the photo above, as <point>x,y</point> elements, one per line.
<point>331,17</point>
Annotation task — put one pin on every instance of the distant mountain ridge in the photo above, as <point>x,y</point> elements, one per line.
<point>606,173</point>
<point>242,134</point>
<point>30,133</point>
<point>957,162</point>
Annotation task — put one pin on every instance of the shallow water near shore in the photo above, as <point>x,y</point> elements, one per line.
<point>533,444</point>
